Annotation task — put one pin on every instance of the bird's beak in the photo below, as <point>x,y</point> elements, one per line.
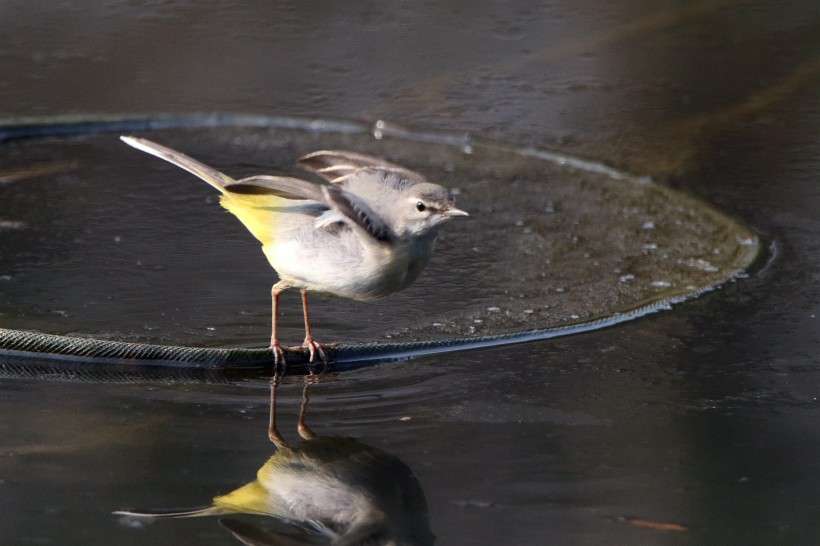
<point>452,211</point>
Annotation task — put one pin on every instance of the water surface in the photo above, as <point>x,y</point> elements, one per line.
<point>704,417</point>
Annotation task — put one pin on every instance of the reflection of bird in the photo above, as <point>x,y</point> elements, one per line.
<point>367,234</point>
<point>326,490</point>
<point>333,487</point>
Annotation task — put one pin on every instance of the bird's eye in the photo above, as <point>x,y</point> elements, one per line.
<point>420,206</point>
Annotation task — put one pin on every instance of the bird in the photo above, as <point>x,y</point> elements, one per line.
<point>323,490</point>
<point>365,231</point>
<point>327,487</point>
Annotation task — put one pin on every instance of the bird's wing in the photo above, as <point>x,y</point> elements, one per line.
<point>334,163</point>
<point>356,209</point>
<point>337,165</point>
<point>342,202</point>
<point>279,186</point>
<point>206,173</point>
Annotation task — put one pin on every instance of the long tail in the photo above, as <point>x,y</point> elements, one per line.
<point>253,210</point>
<point>206,173</point>
<point>171,513</point>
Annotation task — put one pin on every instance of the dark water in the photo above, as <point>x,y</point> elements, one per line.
<point>705,417</point>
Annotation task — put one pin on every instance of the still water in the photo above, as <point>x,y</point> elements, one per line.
<point>698,425</point>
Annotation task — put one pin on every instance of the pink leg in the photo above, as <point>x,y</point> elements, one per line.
<point>278,353</point>
<point>309,344</point>
<point>273,432</point>
<point>304,430</point>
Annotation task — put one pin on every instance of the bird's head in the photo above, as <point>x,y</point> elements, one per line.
<point>421,209</point>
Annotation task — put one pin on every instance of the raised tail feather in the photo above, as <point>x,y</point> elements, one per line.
<point>254,211</point>
<point>206,173</point>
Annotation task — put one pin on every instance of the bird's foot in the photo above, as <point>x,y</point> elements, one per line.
<point>315,349</point>
<point>278,355</point>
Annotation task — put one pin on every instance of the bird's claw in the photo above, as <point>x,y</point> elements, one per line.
<point>278,354</point>
<point>314,349</point>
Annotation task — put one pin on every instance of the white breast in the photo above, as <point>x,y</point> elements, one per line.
<point>349,269</point>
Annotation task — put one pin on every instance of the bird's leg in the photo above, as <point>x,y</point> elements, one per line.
<point>301,426</point>
<point>278,353</point>
<point>309,344</point>
<point>273,432</point>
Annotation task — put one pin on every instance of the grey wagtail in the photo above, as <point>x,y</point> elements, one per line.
<point>365,234</point>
